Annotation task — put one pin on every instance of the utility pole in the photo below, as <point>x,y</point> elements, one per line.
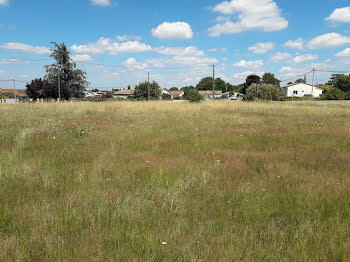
<point>14,89</point>
<point>213,82</point>
<point>257,90</point>
<point>312,92</point>
<point>149,91</point>
<point>59,86</point>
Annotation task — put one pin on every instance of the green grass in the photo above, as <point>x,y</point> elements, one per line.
<point>215,181</point>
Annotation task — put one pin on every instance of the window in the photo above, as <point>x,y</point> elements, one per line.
<point>295,92</point>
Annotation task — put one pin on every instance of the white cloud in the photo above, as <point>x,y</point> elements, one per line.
<point>131,63</point>
<point>244,75</point>
<point>26,48</point>
<point>180,51</point>
<point>113,48</point>
<point>286,69</point>
<point>101,2</point>
<point>249,64</point>
<point>81,58</point>
<point>262,48</point>
<point>217,50</point>
<point>171,31</point>
<point>340,15</point>
<point>330,40</point>
<point>304,58</point>
<point>297,44</point>
<point>345,52</point>
<point>280,57</point>
<point>13,61</point>
<point>249,15</point>
<point>123,38</point>
<point>3,2</point>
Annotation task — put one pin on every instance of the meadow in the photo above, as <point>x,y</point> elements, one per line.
<point>213,181</point>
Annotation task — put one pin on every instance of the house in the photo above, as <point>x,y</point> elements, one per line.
<point>177,94</point>
<point>124,94</point>
<point>209,94</point>
<point>10,94</point>
<point>19,93</point>
<point>301,90</point>
<point>166,93</point>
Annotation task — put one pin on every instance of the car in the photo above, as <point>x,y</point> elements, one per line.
<point>234,98</point>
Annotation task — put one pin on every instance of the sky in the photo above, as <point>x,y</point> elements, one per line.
<point>117,42</point>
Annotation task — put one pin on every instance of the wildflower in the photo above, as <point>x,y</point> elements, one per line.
<point>54,137</point>
<point>164,243</point>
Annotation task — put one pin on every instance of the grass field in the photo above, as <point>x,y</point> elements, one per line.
<point>216,181</point>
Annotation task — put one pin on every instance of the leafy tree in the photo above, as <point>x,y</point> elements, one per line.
<point>265,92</point>
<point>38,89</point>
<point>207,84</point>
<point>333,94</point>
<point>186,90</point>
<point>72,80</point>
<point>342,82</point>
<point>166,97</point>
<point>300,81</point>
<point>129,87</point>
<point>141,91</point>
<point>270,79</point>
<point>333,79</point>
<point>249,81</point>
<point>174,89</point>
<point>193,95</point>
<point>95,90</point>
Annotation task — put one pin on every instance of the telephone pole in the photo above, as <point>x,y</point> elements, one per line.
<point>149,92</point>
<point>257,94</point>
<point>14,89</point>
<point>312,92</point>
<point>213,82</point>
<point>59,86</point>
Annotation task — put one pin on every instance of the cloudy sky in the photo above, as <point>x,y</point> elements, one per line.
<point>118,41</point>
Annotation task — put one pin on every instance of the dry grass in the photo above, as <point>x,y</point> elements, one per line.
<point>216,181</point>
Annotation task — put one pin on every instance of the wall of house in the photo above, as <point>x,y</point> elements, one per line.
<point>301,90</point>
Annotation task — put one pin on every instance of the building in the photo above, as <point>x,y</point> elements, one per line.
<point>177,94</point>
<point>209,94</point>
<point>19,93</point>
<point>124,94</point>
<point>166,93</point>
<point>301,90</point>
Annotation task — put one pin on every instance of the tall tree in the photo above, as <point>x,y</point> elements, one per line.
<point>251,79</point>
<point>38,88</point>
<point>270,79</point>
<point>141,91</point>
<point>73,81</point>
<point>342,82</point>
<point>207,84</point>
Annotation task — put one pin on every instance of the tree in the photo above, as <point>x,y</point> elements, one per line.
<point>207,84</point>
<point>251,79</point>
<point>333,94</point>
<point>300,81</point>
<point>186,90</point>
<point>95,90</point>
<point>265,92</point>
<point>141,91</point>
<point>38,89</point>
<point>174,89</point>
<point>342,82</point>
<point>72,80</point>
<point>193,95</point>
<point>166,96</point>
<point>270,79</point>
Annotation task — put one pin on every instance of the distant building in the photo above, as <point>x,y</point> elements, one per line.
<point>19,93</point>
<point>177,94</point>
<point>166,92</point>
<point>301,90</point>
<point>209,94</point>
<point>124,94</point>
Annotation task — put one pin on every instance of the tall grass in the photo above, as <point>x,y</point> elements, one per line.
<point>214,181</point>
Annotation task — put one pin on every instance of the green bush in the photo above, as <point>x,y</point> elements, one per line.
<point>265,92</point>
<point>194,96</point>
<point>333,94</point>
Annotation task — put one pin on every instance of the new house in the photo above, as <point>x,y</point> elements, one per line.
<point>300,90</point>
<point>209,94</point>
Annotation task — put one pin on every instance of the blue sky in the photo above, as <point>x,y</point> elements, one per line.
<point>176,41</point>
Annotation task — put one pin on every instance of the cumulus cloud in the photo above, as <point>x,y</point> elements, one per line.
<point>248,15</point>
<point>132,63</point>
<point>345,52</point>
<point>304,58</point>
<point>101,2</point>
<point>262,48</point>
<point>330,40</point>
<point>249,64</point>
<point>295,44</point>
<point>26,48</point>
<point>280,57</point>
<point>244,75</point>
<point>217,50</point>
<point>113,48</point>
<point>3,2</point>
<point>81,58</point>
<point>286,69</point>
<point>171,31</point>
<point>123,38</point>
<point>340,15</point>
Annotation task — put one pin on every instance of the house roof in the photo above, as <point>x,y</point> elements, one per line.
<point>210,93</point>
<point>20,93</point>
<point>176,93</point>
<point>295,84</point>
<point>124,92</point>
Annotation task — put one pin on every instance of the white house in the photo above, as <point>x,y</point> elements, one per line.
<point>209,94</point>
<point>300,90</point>
<point>124,94</point>
<point>177,94</point>
<point>166,92</point>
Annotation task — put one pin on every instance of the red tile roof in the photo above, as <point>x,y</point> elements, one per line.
<point>18,92</point>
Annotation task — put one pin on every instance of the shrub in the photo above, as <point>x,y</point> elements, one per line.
<point>265,92</point>
<point>194,96</point>
<point>333,94</point>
